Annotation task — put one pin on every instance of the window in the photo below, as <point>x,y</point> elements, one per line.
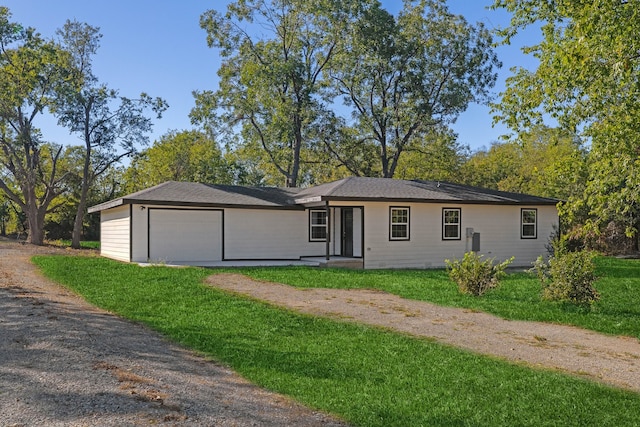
<point>451,224</point>
<point>529,223</point>
<point>317,225</point>
<point>399,223</point>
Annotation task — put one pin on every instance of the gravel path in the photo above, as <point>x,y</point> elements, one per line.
<point>65,363</point>
<point>609,359</point>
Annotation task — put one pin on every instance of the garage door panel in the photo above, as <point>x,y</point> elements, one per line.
<point>185,235</point>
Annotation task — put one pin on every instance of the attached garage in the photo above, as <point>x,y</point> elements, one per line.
<point>185,236</point>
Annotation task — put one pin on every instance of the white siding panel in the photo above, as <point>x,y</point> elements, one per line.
<point>268,234</point>
<point>498,225</point>
<point>357,232</point>
<point>114,233</point>
<point>185,236</point>
<point>140,233</point>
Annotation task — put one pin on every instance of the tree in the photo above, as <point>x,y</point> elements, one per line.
<point>180,156</point>
<point>111,126</point>
<point>587,80</point>
<point>32,72</point>
<point>407,77</point>
<point>546,162</point>
<point>274,53</point>
<point>109,185</point>
<point>437,157</point>
<point>4,215</point>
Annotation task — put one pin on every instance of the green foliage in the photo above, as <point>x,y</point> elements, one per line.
<point>270,79</point>
<point>111,126</point>
<point>85,244</point>
<point>9,221</point>
<point>33,72</point>
<point>546,162</point>
<point>189,156</point>
<point>438,157</point>
<point>568,277</point>
<point>406,78</point>
<point>367,376</point>
<point>36,76</point>
<point>587,79</point>
<point>475,276</point>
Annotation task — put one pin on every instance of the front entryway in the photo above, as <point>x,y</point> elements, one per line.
<point>347,232</point>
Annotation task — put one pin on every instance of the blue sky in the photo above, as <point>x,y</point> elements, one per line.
<point>158,47</point>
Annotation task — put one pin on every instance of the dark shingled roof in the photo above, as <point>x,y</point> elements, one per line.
<point>173,193</point>
<point>371,189</point>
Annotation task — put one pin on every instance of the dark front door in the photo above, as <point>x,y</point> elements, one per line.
<point>347,232</point>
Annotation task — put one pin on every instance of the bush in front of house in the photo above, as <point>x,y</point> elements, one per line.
<point>474,275</point>
<point>568,277</point>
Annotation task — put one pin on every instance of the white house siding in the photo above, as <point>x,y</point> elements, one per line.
<point>115,226</point>
<point>247,234</point>
<point>268,234</point>
<point>140,233</point>
<point>498,225</point>
<point>499,228</point>
<point>357,233</point>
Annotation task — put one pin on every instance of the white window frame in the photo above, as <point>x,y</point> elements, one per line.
<point>317,225</point>
<point>446,224</point>
<point>393,223</point>
<point>533,225</point>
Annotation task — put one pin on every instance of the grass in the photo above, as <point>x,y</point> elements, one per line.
<point>368,376</point>
<point>85,244</point>
<point>517,298</point>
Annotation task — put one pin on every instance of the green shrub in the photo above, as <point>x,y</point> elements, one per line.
<point>476,276</point>
<point>569,277</point>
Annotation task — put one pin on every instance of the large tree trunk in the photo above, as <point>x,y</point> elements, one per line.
<point>35,220</point>
<point>295,170</point>
<point>76,235</point>
<point>87,180</point>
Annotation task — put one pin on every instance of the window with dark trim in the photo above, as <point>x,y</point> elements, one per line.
<point>398,223</point>
<point>451,223</point>
<point>317,225</point>
<point>529,223</point>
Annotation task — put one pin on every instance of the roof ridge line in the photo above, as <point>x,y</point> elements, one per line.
<point>344,181</point>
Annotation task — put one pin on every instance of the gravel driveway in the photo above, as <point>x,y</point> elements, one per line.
<point>609,359</point>
<point>65,363</point>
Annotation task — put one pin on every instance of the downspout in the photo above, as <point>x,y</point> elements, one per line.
<point>328,231</point>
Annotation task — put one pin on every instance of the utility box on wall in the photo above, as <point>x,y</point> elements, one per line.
<point>475,242</point>
<point>469,232</point>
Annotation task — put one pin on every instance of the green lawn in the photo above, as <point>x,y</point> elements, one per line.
<point>368,376</point>
<point>85,244</point>
<point>518,297</point>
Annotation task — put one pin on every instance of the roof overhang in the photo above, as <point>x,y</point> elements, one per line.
<point>106,205</point>
<point>121,202</point>
<point>310,200</point>
<point>321,200</point>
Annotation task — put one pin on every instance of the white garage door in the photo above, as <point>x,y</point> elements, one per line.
<point>185,236</point>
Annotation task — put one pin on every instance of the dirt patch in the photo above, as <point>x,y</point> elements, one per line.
<point>609,359</point>
<point>64,362</point>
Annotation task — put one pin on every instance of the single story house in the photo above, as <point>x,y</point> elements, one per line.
<point>378,222</point>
